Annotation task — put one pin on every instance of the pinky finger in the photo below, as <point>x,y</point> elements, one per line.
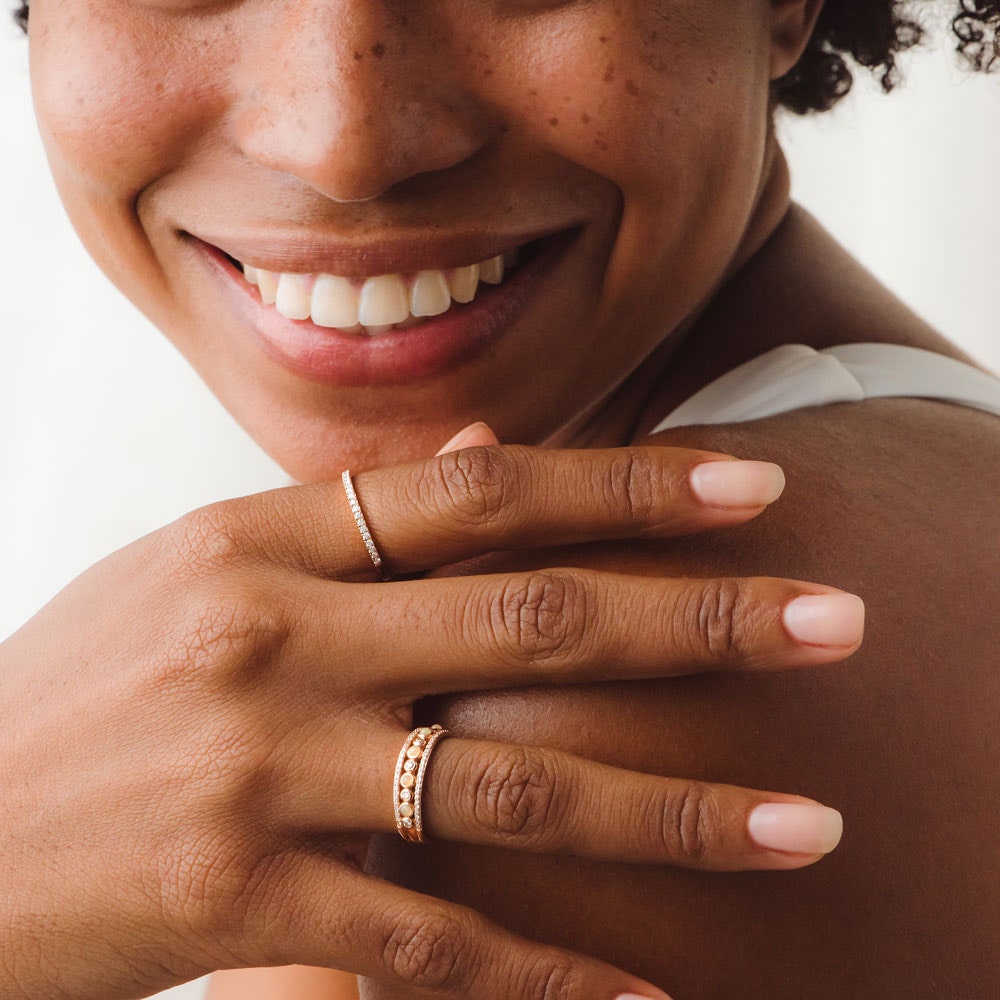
<point>325,914</point>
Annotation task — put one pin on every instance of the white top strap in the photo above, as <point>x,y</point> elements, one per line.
<point>795,376</point>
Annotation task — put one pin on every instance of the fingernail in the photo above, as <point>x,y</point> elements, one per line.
<point>802,829</point>
<point>463,435</point>
<point>635,996</point>
<point>826,619</point>
<point>737,484</point>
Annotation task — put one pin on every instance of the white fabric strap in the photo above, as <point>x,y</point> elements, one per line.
<point>795,376</point>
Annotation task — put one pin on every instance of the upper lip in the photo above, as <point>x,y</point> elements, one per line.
<point>302,251</point>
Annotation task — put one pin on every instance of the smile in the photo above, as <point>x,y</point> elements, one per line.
<point>378,304</point>
<point>383,314</point>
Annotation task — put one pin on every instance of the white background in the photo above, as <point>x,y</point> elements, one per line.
<point>107,435</point>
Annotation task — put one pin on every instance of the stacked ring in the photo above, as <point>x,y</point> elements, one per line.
<point>408,784</point>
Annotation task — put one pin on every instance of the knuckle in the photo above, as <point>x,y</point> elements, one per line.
<point>207,538</point>
<point>633,485</point>
<point>720,616</point>
<point>427,950</point>
<point>203,885</point>
<point>475,485</point>
<point>542,616</point>
<point>515,794</point>
<point>686,824</point>
<point>224,637</point>
<point>555,977</point>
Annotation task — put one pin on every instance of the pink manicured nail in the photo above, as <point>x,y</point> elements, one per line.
<point>635,996</point>
<point>460,438</point>
<point>801,829</point>
<point>737,484</point>
<point>826,619</point>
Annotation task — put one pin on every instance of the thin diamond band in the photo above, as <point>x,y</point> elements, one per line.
<point>359,520</point>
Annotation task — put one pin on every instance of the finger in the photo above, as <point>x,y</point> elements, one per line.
<point>463,504</point>
<point>481,499</point>
<point>541,800</point>
<point>475,435</point>
<point>320,913</point>
<point>579,625</point>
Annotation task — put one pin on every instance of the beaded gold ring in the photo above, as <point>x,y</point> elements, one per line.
<point>408,783</point>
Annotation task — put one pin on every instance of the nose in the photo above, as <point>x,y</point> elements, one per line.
<point>351,98</point>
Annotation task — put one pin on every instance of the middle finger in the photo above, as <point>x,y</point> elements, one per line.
<point>579,625</point>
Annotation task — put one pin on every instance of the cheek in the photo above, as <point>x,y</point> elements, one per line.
<point>117,108</point>
<point>641,91</point>
<point>100,105</point>
<point>668,102</point>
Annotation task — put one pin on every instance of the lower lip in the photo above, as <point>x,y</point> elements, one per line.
<point>333,357</point>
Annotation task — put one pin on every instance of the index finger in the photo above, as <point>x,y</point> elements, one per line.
<point>463,504</point>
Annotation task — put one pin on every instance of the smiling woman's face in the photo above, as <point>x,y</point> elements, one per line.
<point>619,144</point>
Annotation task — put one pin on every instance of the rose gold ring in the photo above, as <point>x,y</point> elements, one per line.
<point>408,784</point>
<point>359,520</point>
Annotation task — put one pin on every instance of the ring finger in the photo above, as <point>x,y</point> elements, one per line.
<point>542,800</point>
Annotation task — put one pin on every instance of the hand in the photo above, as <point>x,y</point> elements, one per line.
<point>201,730</point>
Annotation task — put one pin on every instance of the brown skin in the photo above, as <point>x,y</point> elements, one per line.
<point>649,124</point>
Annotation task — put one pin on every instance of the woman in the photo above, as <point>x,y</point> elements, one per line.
<point>619,143</point>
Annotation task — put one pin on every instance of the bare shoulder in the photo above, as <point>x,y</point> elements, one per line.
<point>897,500</point>
<point>872,487</point>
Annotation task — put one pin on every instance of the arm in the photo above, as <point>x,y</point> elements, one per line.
<point>895,500</point>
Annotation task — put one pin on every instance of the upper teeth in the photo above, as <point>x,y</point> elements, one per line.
<point>378,304</point>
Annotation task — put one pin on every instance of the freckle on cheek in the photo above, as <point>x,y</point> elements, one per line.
<point>553,122</point>
<point>655,63</point>
<point>585,118</point>
<point>378,50</point>
<point>631,88</point>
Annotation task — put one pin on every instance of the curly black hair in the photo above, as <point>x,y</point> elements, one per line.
<point>868,33</point>
<point>871,33</point>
